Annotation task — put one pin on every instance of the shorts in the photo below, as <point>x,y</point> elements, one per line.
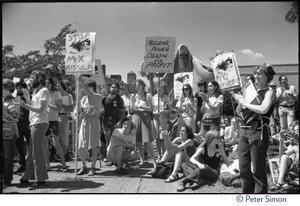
<point>53,126</point>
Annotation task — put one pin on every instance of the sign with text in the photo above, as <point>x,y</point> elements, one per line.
<point>80,49</point>
<point>159,54</point>
<point>226,71</point>
<point>179,80</point>
<point>98,77</point>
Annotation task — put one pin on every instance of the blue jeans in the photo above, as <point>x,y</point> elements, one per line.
<point>253,149</point>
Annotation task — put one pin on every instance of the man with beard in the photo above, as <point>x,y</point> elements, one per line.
<point>114,112</point>
<point>38,118</point>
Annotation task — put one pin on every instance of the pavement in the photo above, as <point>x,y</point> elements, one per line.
<point>106,180</point>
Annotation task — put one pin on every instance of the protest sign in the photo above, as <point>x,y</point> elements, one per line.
<point>159,54</point>
<point>179,80</point>
<point>80,49</point>
<point>98,77</point>
<point>226,71</point>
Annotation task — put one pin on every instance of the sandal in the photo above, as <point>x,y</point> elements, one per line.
<point>152,171</point>
<point>92,172</point>
<point>172,178</point>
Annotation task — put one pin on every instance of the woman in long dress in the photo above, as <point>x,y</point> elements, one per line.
<point>141,106</point>
<point>89,138</point>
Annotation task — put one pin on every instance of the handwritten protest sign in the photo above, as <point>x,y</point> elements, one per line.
<point>99,77</point>
<point>226,71</point>
<point>80,49</point>
<point>159,54</point>
<point>179,80</point>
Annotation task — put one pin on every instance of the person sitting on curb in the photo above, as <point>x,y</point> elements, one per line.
<point>121,138</point>
<point>182,147</point>
<point>210,151</point>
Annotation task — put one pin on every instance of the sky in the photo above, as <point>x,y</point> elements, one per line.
<point>256,31</point>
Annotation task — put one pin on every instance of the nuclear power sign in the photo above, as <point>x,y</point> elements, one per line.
<point>159,54</point>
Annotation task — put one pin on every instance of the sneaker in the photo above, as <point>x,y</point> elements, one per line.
<point>121,171</point>
<point>82,171</point>
<point>92,172</point>
<point>37,185</point>
<point>21,169</point>
<point>181,187</point>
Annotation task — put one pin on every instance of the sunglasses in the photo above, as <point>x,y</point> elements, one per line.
<point>185,89</point>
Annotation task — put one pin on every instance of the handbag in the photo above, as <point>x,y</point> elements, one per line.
<point>163,171</point>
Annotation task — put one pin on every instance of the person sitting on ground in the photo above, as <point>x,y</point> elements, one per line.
<point>121,138</point>
<point>289,161</point>
<point>182,147</point>
<point>210,152</point>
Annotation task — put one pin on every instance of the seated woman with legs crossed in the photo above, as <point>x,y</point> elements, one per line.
<point>205,163</point>
<point>182,147</point>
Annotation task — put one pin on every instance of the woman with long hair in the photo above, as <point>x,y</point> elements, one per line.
<point>205,163</point>
<point>67,107</point>
<point>140,108</point>
<point>161,116</point>
<point>186,108</point>
<point>54,107</point>
<point>182,147</point>
<point>212,108</point>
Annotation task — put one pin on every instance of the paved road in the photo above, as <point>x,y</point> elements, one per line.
<point>106,180</point>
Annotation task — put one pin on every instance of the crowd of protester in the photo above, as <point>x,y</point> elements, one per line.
<point>193,134</point>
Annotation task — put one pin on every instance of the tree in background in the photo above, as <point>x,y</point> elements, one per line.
<point>292,15</point>
<point>52,61</point>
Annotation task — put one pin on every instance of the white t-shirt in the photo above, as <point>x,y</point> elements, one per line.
<point>213,100</point>
<point>42,116</point>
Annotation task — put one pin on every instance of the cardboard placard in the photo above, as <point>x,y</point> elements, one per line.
<point>226,71</point>
<point>159,54</point>
<point>80,49</point>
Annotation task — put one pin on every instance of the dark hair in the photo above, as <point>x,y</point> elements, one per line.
<point>267,70</point>
<point>217,90</point>
<point>189,132</point>
<point>210,135</point>
<point>63,85</point>
<point>200,83</point>
<point>91,83</point>
<point>40,76</point>
<point>117,85</point>
<point>51,80</point>
<point>280,77</point>
<point>9,85</point>
<point>22,84</point>
<point>190,90</point>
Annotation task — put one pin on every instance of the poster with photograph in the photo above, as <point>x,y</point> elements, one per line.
<point>80,49</point>
<point>226,71</point>
<point>179,80</point>
<point>159,54</point>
